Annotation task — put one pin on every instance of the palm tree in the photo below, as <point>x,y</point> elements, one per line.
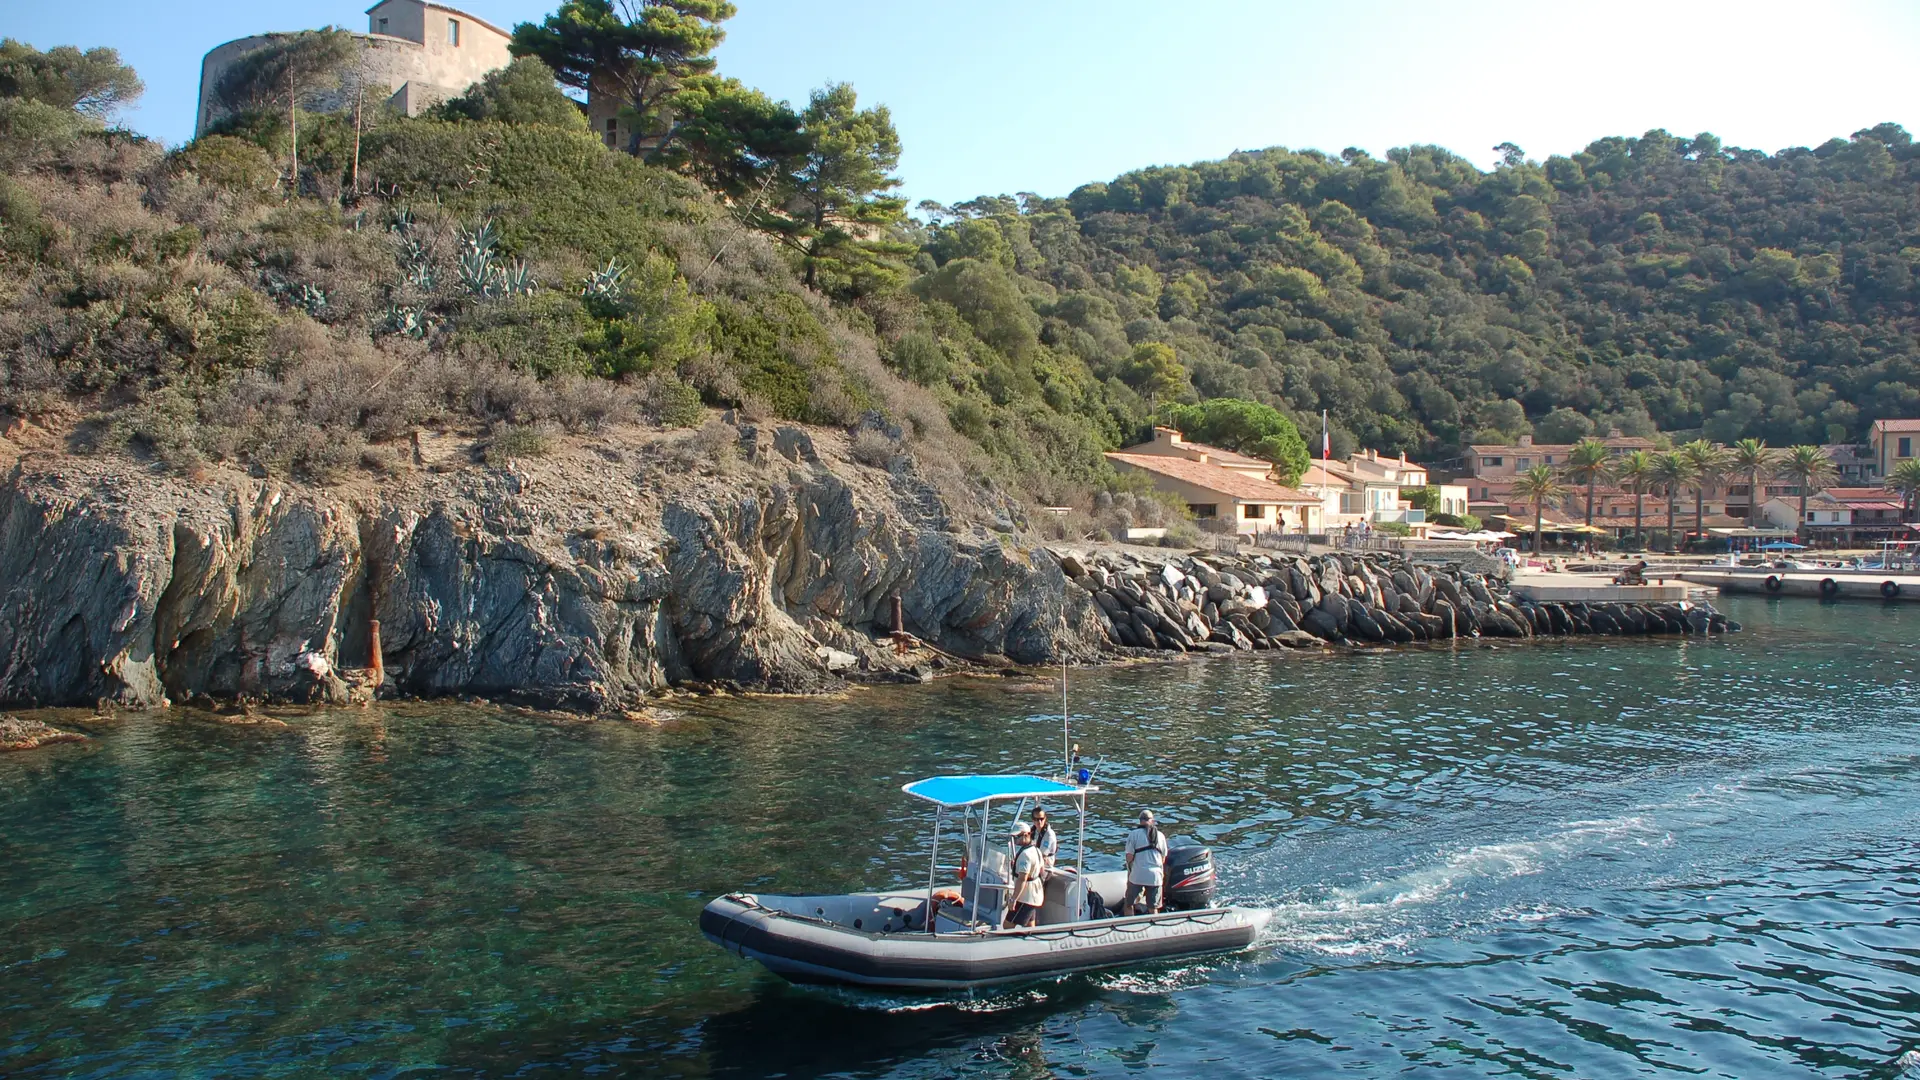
<point>1537,485</point>
<point>1587,464</point>
<point>1709,468</point>
<point>1752,458</point>
<point>1671,472</point>
<point>1636,471</point>
<point>1809,467</point>
<point>1905,479</point>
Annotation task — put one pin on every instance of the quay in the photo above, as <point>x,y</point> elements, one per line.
<point>1564,588</point>
<point>1828,584</point>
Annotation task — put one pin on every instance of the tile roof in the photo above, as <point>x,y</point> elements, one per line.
<point>1214,478</point>
<point>1217,454</point>
<point>1852,493</point>
<point>1896,425</point>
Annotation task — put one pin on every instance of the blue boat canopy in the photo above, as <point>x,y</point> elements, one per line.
<point>969,790</point>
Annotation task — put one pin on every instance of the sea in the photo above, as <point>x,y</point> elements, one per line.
<point>1567,859</point>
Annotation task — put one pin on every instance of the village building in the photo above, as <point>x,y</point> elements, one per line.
<point>414,55</point>
<point>1827,517</point>
<point>1892,442</point>
<point>1503,461</point>
<point>1852,464</point>
<point>1232,497</point>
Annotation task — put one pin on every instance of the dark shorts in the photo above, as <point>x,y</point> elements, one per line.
<point>1024,915</point>
<point>1149,893</point>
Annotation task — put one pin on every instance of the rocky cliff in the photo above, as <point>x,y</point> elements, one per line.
<point>583,579</point>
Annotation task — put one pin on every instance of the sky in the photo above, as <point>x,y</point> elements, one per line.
<point>994,97</point>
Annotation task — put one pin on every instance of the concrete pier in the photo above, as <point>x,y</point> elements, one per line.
<point>1592,589</point>
<point>1819,584</point>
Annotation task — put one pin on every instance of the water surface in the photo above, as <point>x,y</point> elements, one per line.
<point>1561,860</point>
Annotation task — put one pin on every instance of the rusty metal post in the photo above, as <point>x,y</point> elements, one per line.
<point>899,616</point>
<point>373,660</point>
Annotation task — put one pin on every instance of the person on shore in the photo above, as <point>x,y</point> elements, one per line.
<point>1029,869</point>
<point>1146,868</point>
<point>1044,838</point>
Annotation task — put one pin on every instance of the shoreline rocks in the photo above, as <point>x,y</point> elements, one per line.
<point>25,733</point>
<point>1239,603</point>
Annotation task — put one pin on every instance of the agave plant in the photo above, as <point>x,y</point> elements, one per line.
<point>405,320</point>
<point>604,284</point>
<point>518,279</point>
<point>482,274</point>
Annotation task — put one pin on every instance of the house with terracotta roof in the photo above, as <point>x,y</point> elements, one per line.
<point>1224,493</point>
<point>1892,442</point>
<point>1168,442</point>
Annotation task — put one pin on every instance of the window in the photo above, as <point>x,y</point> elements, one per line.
<point>453,32</point>
<point>1547,460</point>
<point>1737,489</point>
<point>1492,462</point>
<point>1521,462</point>
<point>1253,512</point>
<point>1204,510</point>
<point>1906,446</point>
<point>612,134</point>
<point>383,25</point>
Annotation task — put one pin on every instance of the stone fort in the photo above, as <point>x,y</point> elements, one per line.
<point>421,52</point>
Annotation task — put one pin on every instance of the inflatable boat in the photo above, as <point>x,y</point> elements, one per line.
<point>935,938</point>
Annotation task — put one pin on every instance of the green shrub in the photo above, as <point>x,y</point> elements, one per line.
<point>229,162</point>
<point>670,402</point>
<point>33,130</point>
<point>517,441</point>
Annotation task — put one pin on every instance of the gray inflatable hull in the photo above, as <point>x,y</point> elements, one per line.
<point>809,950</point>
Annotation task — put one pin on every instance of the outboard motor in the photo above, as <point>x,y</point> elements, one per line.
<point>1190,878</point>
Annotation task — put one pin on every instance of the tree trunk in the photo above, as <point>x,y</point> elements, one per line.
<point>1672,548</point>
<point>1800,526</point>
<point>1590,502</point>
<point>1537,514</point>
<point>293,123</point>
<point>1700,512</point>
<point>358,94</point>
<point>1753,498</point>
<point>1639,533</point>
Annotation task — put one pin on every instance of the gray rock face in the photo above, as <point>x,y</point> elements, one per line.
<point>1369,598</point>
<point>506,584</point>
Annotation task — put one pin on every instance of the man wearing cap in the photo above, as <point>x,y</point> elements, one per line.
<point>1146,867</point>
<point>1029,869</point>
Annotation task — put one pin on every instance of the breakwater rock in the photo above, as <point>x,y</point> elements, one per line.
<point>586,579</point>
<point>1225,603</point>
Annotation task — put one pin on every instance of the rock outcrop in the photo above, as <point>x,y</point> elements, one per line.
<point>1227,603</point>
<point>584,580</point>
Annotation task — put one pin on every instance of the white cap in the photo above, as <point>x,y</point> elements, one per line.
<point>1146,816</point>
<point>1021,828</point>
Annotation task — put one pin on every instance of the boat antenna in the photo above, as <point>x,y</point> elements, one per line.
<point>1066,743</point>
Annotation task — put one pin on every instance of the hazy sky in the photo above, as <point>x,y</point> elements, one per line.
<point>1045,95</point>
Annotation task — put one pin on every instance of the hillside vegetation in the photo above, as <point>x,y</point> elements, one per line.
<point>1652,284</point>
<point>300,308</point>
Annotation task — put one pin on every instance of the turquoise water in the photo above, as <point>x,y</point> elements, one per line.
<point>1559,860</point>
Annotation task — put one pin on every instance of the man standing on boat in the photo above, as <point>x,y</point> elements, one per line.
<point>1044,839</point>
<point>1146,867</point>
<point>1029,870</point>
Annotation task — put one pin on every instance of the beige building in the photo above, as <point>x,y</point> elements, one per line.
<point>414,53</point>
<point>1893,442</point>
<point>1214,492</point>
<point>1506,460</point>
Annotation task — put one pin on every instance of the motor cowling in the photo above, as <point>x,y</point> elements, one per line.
<point>1190,876</point>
